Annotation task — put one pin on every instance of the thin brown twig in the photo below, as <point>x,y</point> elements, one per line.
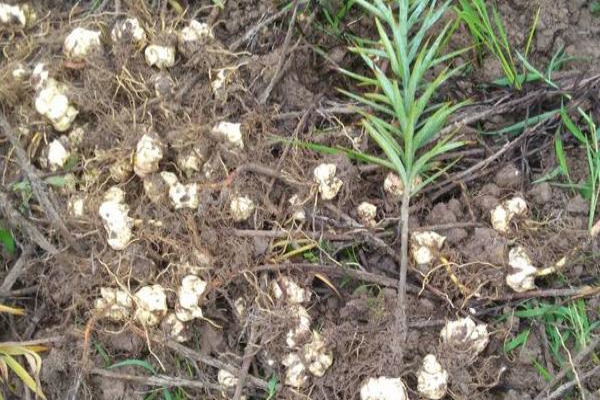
<point>560,391</point>
<point>288,145</point>
<point>350,235</point>
<point>263,170</point>
<point>256,28</point>
<point>249,354</point>
<point>485,162</point>
<point>576,361</point>
<point>378,242</point>
<point>204,359</point>
<point>156,380</point>
<point>17,220</point>
<point>20,292</point>
<point>336,271</point>
<point>16,270</point>
<point>583,291</point>
<point>37,185</point>
<point>282,57</point>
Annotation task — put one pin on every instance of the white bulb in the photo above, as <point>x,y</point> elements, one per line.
<point>160,56</point>
<point>76,206</point>
<point>522,276</point>
<point>295,373</point>
<point>128,29</point>
<point>300,333</point>
<point>117,223</point>
<point>432,379</point>
<point>383,388</point>
<point>218,83</point>
<point>151,304</point>
<point>367,213</point>
<point>188,298</point>
<point>316,354</point>
<point>504,213</point>
<point>230,132</point>
<point>175,328</point>
<point>182,196</point>
<point>329,184</point>
<point>148,153</point>
<point>287,289</point>
<point>81,42</point>
<point>241,208</point>
<point>57,155</point>
<point>52,102</point>
<point>226,379</point>
<point>425,246</point>
<point>190,37</point>
<point>465,337</point>
<point>10,14</point>
<point>116,304</point>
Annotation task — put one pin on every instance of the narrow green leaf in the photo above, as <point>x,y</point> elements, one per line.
<point>534,25</point>
<point>574,129</point>
<point>546,375</point>
<point>520,126</point>
<point>7,241</point>
<point>388,149</point>
<point>375,106</point>
<point>167,394</point>
<point>560,154</point>
<point>351,154</point>
<point>272,387</point>
<point>517,341</point>
<point>134,362</point>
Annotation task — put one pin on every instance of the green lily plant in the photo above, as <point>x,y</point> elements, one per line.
<point>400,109</point>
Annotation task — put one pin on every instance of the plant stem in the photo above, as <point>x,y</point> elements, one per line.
<point>404,214</point>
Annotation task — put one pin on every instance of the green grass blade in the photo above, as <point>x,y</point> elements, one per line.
<point>389,49</point>
<point>8,242</point>
<point>560,155</point>
<point>351,154</point>
<point>545,374</point>
<point>134,362</point>
<point>520,126</point>
<point>517,341</point>
<point>534,25</point>
<point>574,129</point>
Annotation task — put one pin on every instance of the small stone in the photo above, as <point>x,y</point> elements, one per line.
<point>509,177</point>
<point>578,205</point>
<point>541,193</point>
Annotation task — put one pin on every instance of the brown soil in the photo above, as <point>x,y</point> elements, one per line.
<point>120,98</point>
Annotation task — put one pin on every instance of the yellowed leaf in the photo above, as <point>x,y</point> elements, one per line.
<point>23,375</point>
<point>326,281</point>
<point>11,310</point>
